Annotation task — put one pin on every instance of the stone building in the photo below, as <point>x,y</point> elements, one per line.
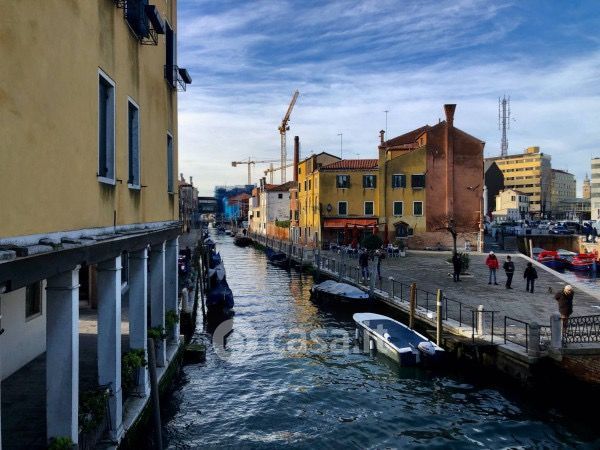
<point>563,191</point>
<point>586,188</point>
<point>89,203</point>
<point>595,189</point>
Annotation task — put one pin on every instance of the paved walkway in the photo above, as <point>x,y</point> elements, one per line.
<point>431,271</point>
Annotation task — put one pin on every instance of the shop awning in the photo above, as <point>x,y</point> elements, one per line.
<point>341,223</point>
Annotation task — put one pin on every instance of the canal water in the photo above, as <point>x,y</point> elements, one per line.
<point>288,375</point>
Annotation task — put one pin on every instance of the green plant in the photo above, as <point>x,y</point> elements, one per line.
<point>131,362</point>
<point>171,318</point>
<point>61,443</point>
<point>157,333</point>
<point>282,223</point>
<point>372,242</point>
<point>465,261</point>
<point>92,408</point>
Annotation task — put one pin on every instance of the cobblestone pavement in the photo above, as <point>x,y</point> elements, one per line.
<point>431,271</point>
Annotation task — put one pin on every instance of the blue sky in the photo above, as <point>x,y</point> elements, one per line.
<point>351,60</point>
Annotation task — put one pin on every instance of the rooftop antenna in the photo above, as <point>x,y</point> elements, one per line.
<point>504,122</point>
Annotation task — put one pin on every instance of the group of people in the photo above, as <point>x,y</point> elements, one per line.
<point>589,231</point>
<point>363,262</point>
<point>530,274</point>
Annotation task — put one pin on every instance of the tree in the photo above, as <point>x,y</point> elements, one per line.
<point>447,222</point>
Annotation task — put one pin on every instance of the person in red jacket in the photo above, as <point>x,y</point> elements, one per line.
<point>493,264</point>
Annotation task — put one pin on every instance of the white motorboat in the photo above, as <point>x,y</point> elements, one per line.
<point>395,340</point>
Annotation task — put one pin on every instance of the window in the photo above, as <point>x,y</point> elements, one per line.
<point>309,185</point>
<point>398,207</point>
<point>342,181</point>
<point>512,198</point>
<point>299,170</point>
<point>171,53</point>
<point>106,129</point>
<point>368,208</point>
<point>279,195</point>
<point>134,145</point>
<point>369,181</point>
<point>33,300</point>
<point>306,185</point>
<point>417,181</point>
<point>135,15</point>
<point>257,214</point>
<point>170,168</point>
<point>342,208</point>
<point>398,180</point>
<point>417,208</point>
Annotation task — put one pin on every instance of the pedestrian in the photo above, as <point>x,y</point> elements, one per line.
<point>587,231</point>
<point>565,305</point>
<point>594,234</point>
<point>363,262</point>
<point>457,264</point>
<point>493,264</point>
<point>509,269</point>
<point>530,275</point>
<point>380,254</point>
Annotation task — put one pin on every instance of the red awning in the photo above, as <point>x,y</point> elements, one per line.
<point>341,223</point>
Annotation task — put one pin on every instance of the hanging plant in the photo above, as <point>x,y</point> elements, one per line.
<point>157,333</point>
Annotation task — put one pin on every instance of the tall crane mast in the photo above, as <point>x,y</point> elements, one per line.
<point>282,130</point>
<point>250,162</point>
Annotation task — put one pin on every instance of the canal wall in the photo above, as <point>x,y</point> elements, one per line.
<point>528,353</point>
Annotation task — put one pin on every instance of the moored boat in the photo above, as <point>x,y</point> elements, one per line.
<point>395,340</point>
<point>276,258</point>
<point>583,262</point>
<point>552,259</point>
<point>242,241</point>
<point>220,298</point>
<point>339,293</point>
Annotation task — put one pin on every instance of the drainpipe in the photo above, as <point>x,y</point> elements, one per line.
<point>449,150</point>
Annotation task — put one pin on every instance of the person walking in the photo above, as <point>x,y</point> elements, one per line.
<point>492,263</point>
<point>530,275</point>
<point>594,234</point>
<point>363,262</point>
<point>509,269</point>
<point>565,306</point>
<point>457,264</point>
<point>380,255</point>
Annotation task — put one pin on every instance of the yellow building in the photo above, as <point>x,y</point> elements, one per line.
<point>531,174</point>
<point>88,119</point>
<point>347,197</point>
<point>511,205</point>
<point>309,224</point>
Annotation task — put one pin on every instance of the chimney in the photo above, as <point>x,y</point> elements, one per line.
<point>449,151</point>
<point>191,182</point>
<point>381,137</point>
<point>296,157</point>
<point>449,110</point>
<point>182,178</point>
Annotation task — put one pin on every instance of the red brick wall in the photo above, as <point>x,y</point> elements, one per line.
<point>584,367</point>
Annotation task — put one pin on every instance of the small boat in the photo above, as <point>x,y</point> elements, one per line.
<point>395,340</point>
<point>276,258</point>
<point>242,241</point>
<point>229,232</point>
<point>220,298</point>
<point>583,262</point>
<point>552,259</point>
<point>339,293</point>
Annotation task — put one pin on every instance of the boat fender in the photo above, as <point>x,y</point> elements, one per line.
<point>386,336</point>
<point>426,347</point>
<point>371,344</point>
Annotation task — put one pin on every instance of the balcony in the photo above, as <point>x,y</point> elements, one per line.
<point>177,77</point>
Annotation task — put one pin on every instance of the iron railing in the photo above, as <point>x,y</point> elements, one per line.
<point>582,330</point>
<point>519,330</point>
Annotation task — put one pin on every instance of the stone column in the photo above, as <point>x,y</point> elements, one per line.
<point>157,298</point>
<point>171,284</point>
<point>62,355</point>
<point>138,311</point>
<point>109,338</point>
<point>555,331</point>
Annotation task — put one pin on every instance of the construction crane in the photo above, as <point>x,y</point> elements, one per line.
<point>282,129</point>
<point>272,169</point>
<point>250,162</point>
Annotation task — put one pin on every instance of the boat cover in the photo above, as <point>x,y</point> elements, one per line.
<point>341,289</point>
<point>219,270</point>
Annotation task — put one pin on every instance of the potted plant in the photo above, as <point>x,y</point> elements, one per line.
<point>171,319</point>
<point>131,363</point>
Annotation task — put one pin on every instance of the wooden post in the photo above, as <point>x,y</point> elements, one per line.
<point>531,248</point>
<point>154,394</point>
<point>412,306</point>
<point>438,318</point>
<point>392,283</point>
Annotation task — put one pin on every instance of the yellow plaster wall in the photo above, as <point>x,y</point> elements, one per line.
<point>51,52</point>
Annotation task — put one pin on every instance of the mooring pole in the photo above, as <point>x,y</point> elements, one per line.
<point>413,298</point>
<point>438,318</point>
<point>154,394</point>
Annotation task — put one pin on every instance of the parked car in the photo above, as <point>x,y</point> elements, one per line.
<point>560,229</point>
<point>571,225</point>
